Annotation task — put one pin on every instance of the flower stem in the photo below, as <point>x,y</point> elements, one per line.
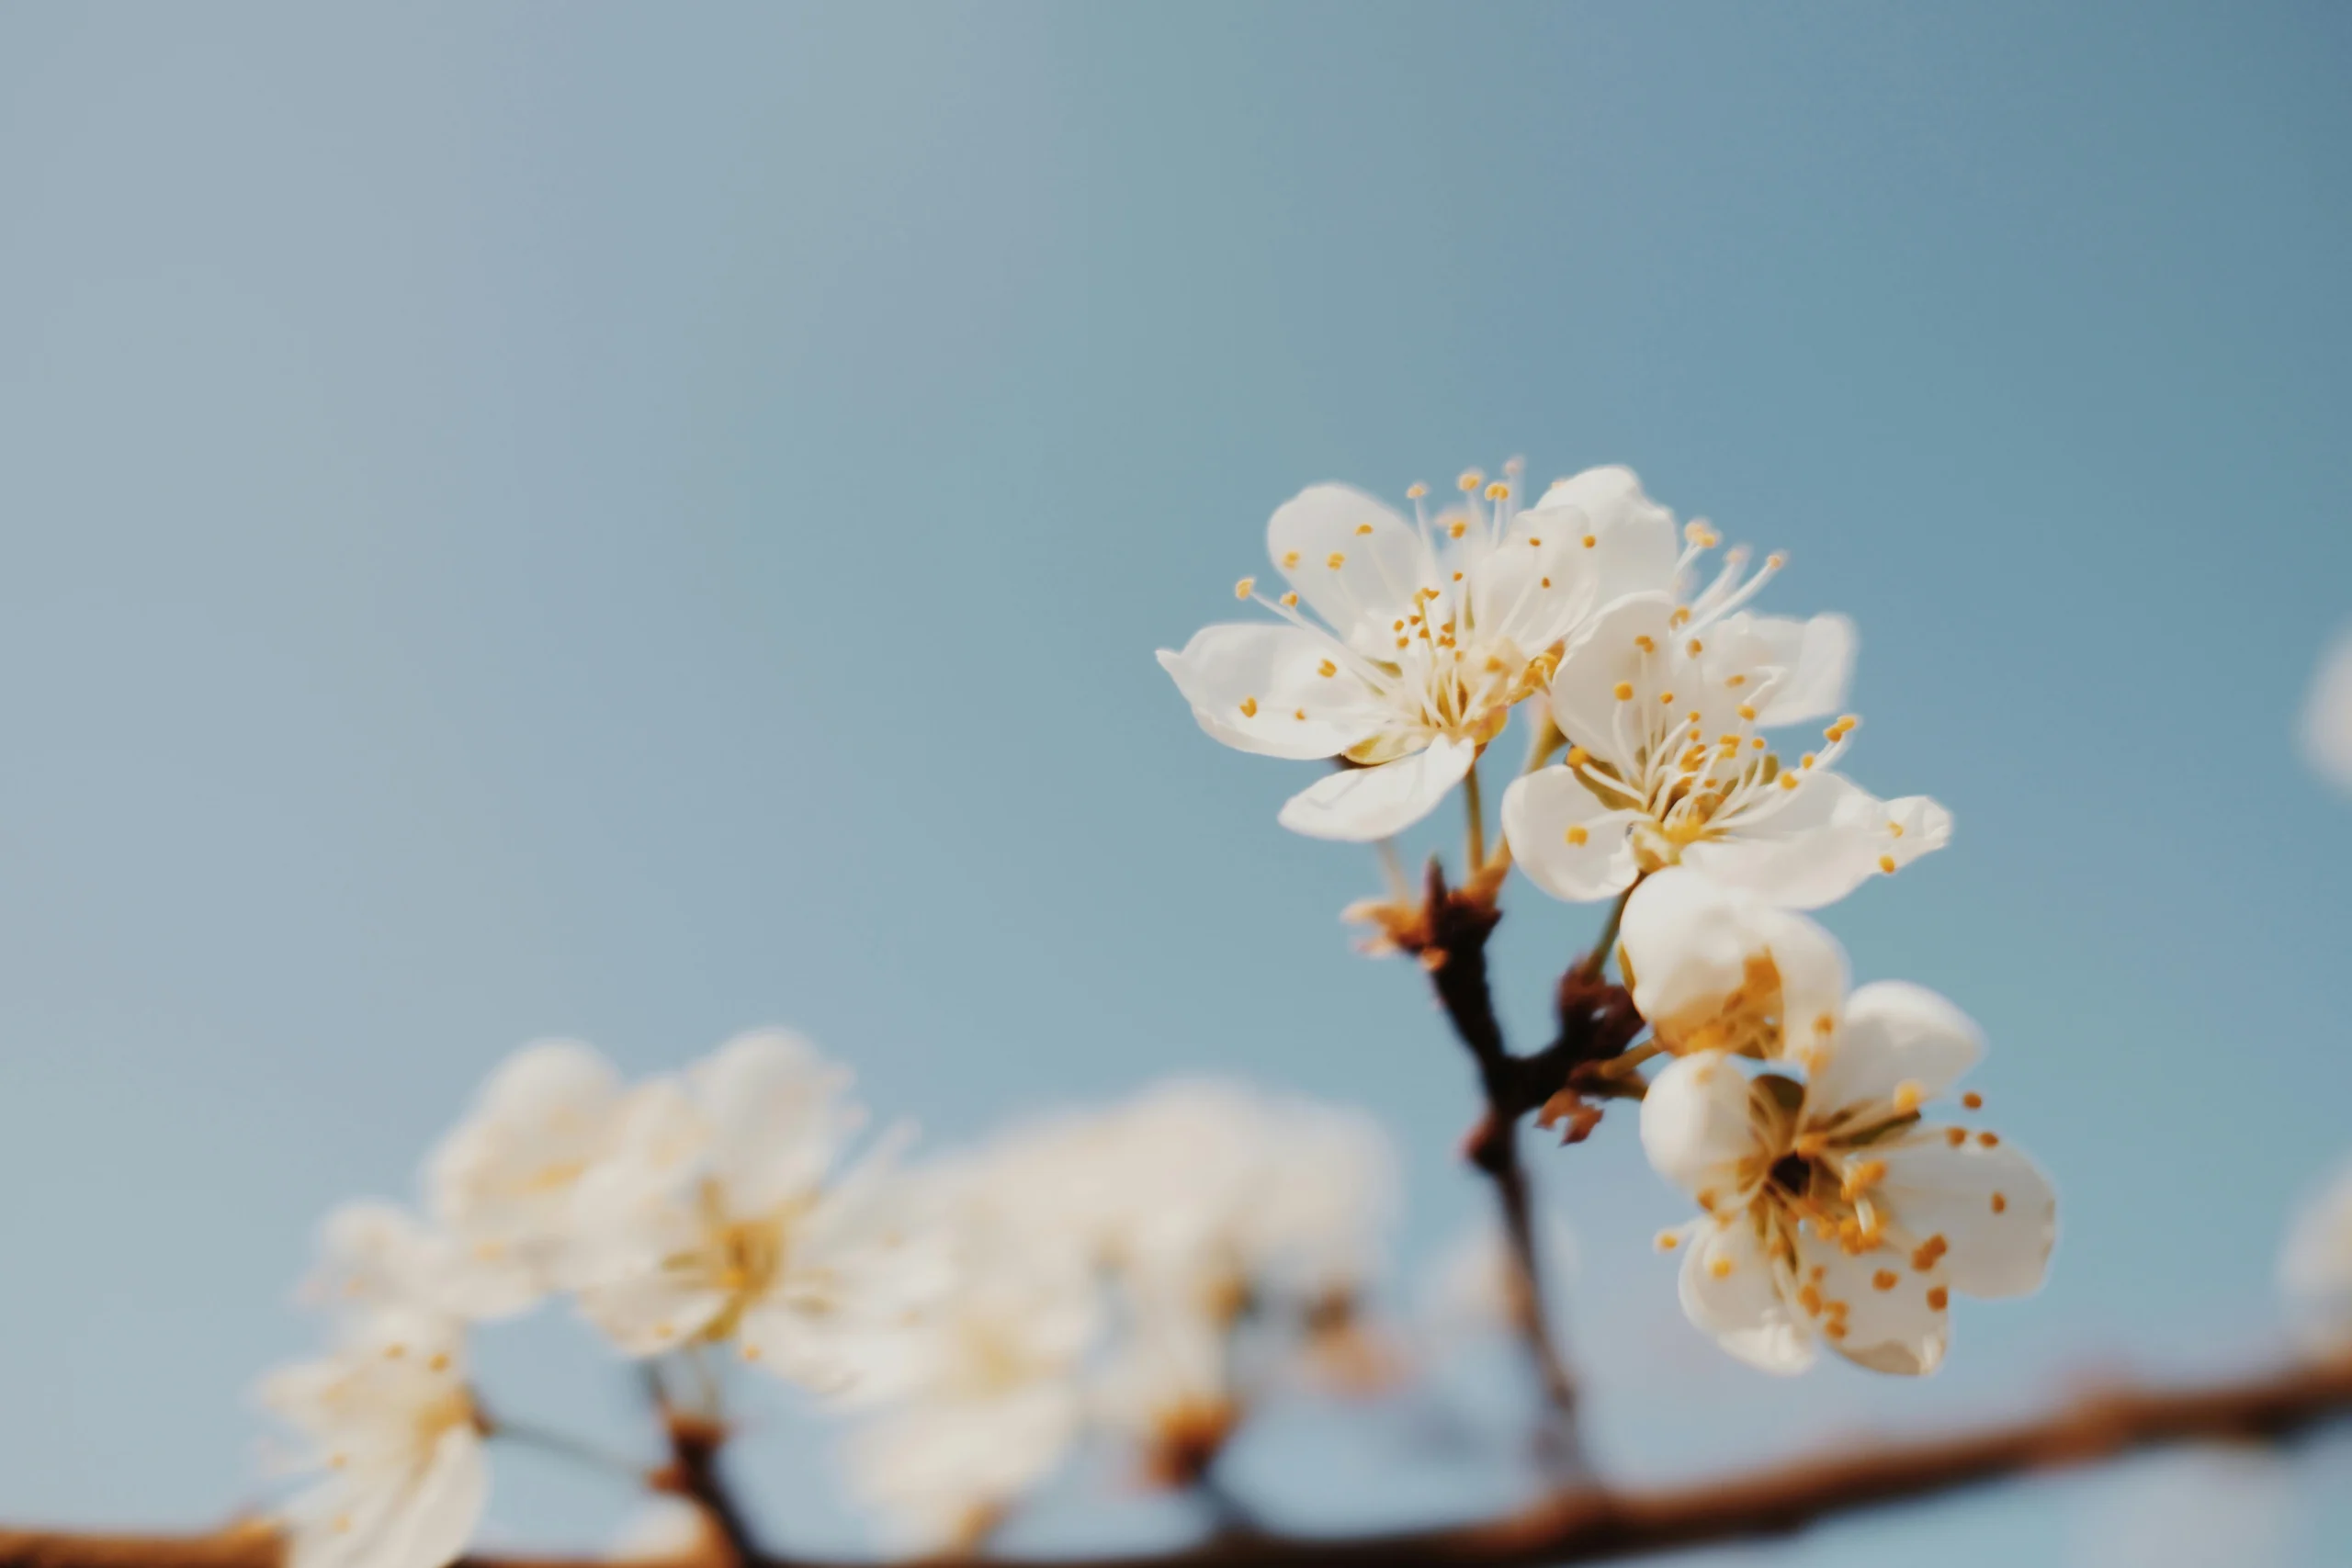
<point>1474,805</point>
<point>1597,959</point>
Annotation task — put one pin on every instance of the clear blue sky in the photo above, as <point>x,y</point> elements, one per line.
<point>636,523</point>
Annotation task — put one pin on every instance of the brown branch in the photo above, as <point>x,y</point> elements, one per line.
<point>1592,1525</point>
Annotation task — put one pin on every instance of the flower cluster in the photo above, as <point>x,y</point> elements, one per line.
<point>1135,1272</point>
<point>1791,1110</point>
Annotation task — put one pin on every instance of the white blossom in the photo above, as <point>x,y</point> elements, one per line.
<point>1427,633</point>
<point>2315,1267</point>
<point>2326,726</point>
<point>718,1216</point>
<point>393,1432</point>
<point>1712,968</point>
<point>1834,1213</point>
<point>1664,705</point>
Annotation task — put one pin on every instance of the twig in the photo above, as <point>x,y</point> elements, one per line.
<point>692,1472</point>
<point>1589,1524</point>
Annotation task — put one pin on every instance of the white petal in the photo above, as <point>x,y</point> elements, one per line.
<point>443,1507</point>
<point>778,1112</point>
<point>1364,803</point>
<point>1697,1124</point>
<point>1899,831</point>
<point>1992,1205</point>
<point>1896,1317</point>
<point>1896,1039</point>
<point>1715,968</point>
<point>1604,657</point>
<point>1538,583</point>
<point>937,1468</point>
<point>1809,850</point>
<point>1565,839</point>
<point>1730,1289</point>
<point>1634,545</point>
<point>1381,562</point>
<point>1814,658</point>
<point>1248,683</point>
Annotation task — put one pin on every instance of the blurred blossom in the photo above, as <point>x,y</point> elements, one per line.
<point>1832,1213</point>
<point>663,1529</point>
<point>1474,1289</point>
<point>1430,630</point>
<point>718,1217</point>
<point>2327,715</point>
<point>2315,1267</point>
<point>2212,1507</point>
<point>389,1424</point>
<point>1664,703</point>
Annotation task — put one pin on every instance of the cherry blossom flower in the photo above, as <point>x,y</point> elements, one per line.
<point>1834,1213</point>
<point>2315,1267</point>
<point>374,1254</point>
<point>1664,705</point>
<point>718,1217</point>
<point>1429,632</point>
<point>394,1435</point>
<point>1713,968</point>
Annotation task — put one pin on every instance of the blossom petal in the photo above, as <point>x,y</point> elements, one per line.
<point>1877,1309</point>
<point>1250,681</point>
<point>1634,548</point>
<point>1698,1125</point>
<point>1538,581</point>
<point>1730,1289</point>
<point>779,1114</point>
<point>1604,657</point>
<point>1354,561</point>
<point>1715,968</point>
<point>1569,843</point>
<point>1992,1206</point>
<point>1814,658</point>
<point>1898,1042</point>
<point>1364,803</point>
<point>1812,849</point>
<point>442,1508</point>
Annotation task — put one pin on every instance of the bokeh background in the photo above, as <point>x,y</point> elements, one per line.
<point>636,523</point>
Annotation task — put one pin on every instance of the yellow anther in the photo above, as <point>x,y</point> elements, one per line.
<point>1788,781</point>
<point>1300,714</point>
<point>1955,1136</point>
<point>440,1361</point>
<point>1645,644</point>
<point>1577,836</point>
<point>1290,559</point>
<point>1399,624</point>
<point>751,1352</point>
<point>1734,681</point>
<point>1775,561</point>
<point>1471,479</point>
<point>1624,691</point>
<point>1893,827</point>
<point>1758,743</point>
<point>1886,864</point>
<point>1590,541</point>
<point>1336,560</point>
<point>1989,1140</point>
<point>1667,698</point>
<point>1497,491</point>
<point>2000,1203</point>
<point>1243,589</point>
<point>1456,528</point>
<point>1668,1241</point>
<point>1457,577</point>
<point>1578,756</point>
<point>1810,1144</point>
<point>1290,599</point>
<point>1824,1023</point>
<point>1885,1279</point>
<point>1533,543</point>
<point>1327,670</point>
<point>1809,1298</point>
<point>1249,707</point>
<point>1748,712</point>
<point>1403,642</point>
<point>1362,529</point>
<point>1415,491</point>
<point>1682,616</point>
<point>1974,1101</point>
<point>1909,1094</point>
<point>1720,1266</point>
<point>1807,760</point>
<point>1694,647</point>
<point>1938,1298</point>
<point>1545,583</point>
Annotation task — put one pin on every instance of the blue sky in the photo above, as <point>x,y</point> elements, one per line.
<point>530,519</point>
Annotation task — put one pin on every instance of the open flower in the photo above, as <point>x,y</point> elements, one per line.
<point>1834,1213</point>
<point>2316,1268</point>
<point>718,1217</point>
<point>393,1432</point>
<point>1664,705</point>
<point>1429,632</point>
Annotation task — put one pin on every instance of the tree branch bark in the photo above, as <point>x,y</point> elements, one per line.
<point>1588,1525</point>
